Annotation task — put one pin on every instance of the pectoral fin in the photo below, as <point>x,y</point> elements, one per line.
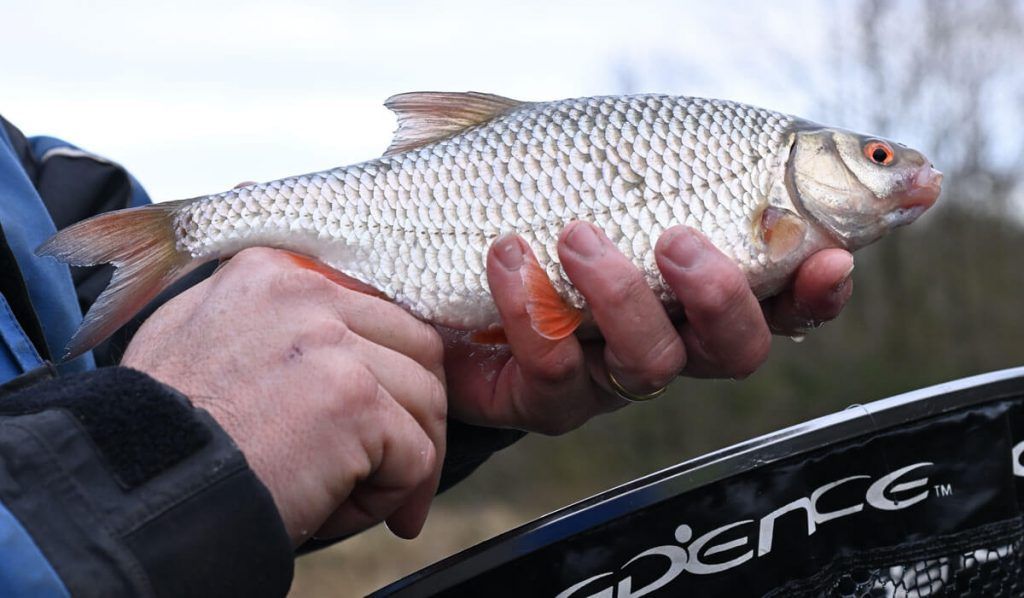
<point>550,315</point>
<point>782,231</point>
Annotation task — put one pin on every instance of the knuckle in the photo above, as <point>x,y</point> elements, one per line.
<point>430,346</point>
<point>556,369</point>
<point>529,413</point>
<point>331,332</point>
<point>437,402</point>
<point>252,255</point>
<point>321,332</point>
<point>624,291</point>
<point>284,283</point>
<point>756,354</point>
<point>256,260</point>
<point>364,383</point>
<point>432,401</point>
<point>355,389</point>
<point>721,293</point>
<point>427,462</point>
<point>288,281</point>
<point>660,364</point>
<point>411,445</point>
<point>664,362</point>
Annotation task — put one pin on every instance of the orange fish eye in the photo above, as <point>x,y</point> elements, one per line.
<point>879,152</point>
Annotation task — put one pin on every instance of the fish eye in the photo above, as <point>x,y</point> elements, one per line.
<point>879,152</point>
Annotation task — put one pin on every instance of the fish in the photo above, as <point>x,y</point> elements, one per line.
<point>414,226</point>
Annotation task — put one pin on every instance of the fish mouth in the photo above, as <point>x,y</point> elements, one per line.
<point>923,188</point>
<point>922,191</point>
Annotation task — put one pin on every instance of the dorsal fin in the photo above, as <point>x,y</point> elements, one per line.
<point>428,116</point>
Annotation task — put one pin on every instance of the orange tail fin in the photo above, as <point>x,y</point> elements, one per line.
<point>140,244</point>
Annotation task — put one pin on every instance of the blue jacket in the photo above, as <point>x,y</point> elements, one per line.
<point>26,223</point>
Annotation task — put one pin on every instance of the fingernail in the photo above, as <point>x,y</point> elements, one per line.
<point>685,249</point>
<point>509,253</point>
<point>582,239</point>
<point>845,280</point>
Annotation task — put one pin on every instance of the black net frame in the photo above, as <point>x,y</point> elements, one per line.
<point>917,495</point>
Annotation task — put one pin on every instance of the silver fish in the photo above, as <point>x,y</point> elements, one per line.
<point>768,189</point>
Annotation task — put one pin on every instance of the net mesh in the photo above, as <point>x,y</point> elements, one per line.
<point>987,561</point>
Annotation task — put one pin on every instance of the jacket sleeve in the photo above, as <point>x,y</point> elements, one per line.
<point>112,484</point>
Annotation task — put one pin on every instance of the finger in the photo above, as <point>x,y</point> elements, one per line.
<point>820,289</point>
<point>402,458</point>
<point>728,334</point>
<point>420,393</point>
<point>643,349</point>
<point>546,387</point>
<point>385,324</point>
<point>412,386</point>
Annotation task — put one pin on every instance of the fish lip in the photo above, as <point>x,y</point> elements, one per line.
<point>923,189</point>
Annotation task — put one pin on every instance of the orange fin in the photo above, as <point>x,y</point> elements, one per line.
<point>550,315</point>
<point>782,231</point>
<point>140,244</point>
<point>335,276</point>
<point>490,336</point>
<point>428,116</point>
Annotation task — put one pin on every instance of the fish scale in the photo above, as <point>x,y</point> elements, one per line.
<point>411,224</point>
<point>415,225</point>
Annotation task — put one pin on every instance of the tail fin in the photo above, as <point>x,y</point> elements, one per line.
<point>140,243</point>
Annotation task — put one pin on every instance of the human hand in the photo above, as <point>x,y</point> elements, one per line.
<point>336,398</point>
<point>555,386</point>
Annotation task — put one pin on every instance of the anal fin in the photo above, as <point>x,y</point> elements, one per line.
<point>335,276</point>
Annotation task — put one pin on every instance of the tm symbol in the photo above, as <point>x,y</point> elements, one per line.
<point>943,489</point>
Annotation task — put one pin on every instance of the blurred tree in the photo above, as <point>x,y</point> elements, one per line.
<point>939,73</point>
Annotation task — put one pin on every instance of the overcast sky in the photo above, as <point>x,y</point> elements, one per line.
<point>195,96</point>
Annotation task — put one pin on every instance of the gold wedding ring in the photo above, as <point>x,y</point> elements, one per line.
<point>630,396</point>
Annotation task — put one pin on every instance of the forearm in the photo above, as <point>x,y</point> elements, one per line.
<point>126,489</point>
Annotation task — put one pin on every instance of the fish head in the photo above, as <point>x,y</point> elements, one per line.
<point>859,187</point>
